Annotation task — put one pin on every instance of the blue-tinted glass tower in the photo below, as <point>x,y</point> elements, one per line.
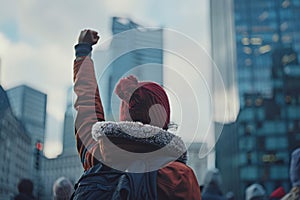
<point>268,46</point>
<point>29,106</point>
<point>267,37</point>
<point>262,27</point>
<point>133,49</point>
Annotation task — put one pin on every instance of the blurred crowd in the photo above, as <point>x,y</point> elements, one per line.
<point>210,190</point>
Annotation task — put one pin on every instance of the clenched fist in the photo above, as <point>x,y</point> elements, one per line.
<point>88,36</point>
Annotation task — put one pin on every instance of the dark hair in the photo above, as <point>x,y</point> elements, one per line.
<point>25,186</point>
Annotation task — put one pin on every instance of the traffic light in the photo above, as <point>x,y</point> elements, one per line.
<point>38,150</point>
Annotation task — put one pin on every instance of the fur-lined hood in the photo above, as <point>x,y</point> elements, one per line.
<point>141,134</point>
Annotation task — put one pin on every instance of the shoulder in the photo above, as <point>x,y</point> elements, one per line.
<point>175,172</point>
<point>178,181</point>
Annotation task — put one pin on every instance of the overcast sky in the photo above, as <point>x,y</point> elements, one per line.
<point>37,39</point>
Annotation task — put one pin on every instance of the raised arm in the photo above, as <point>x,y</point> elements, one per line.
<point>88,103</point>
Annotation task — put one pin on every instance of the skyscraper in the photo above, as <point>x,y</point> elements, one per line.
<point>267,128</point>
<point>29,106</point>
<point>262,27</point>
<point>267,34</point>
<point>133,50</point>
<point>68,131</point>
<point>224,56</point>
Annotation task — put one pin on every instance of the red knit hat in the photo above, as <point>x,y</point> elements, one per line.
<point>146,102</point>
<point>278,193</point>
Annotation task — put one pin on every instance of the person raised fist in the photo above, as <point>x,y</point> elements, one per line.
<point>88,36</point>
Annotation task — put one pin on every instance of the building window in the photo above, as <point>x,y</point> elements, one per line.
<point>249,158</point>
<point>249,173</point>
<point>249,129</point>
<point>273,143</point>
<point>279,172</point>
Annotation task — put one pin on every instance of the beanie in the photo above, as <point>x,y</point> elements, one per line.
<point>25,186</point>
<point>278,193</point>
<point>254,191</point>
<point>146,102</point>
<point>295,168</point>
<point>62,189</point>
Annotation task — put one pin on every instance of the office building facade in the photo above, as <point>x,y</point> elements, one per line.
<point>29,106</point>
<point>261,27</point>
<point>15,150</point>
<point>267,127</point>
<point>267,40</point>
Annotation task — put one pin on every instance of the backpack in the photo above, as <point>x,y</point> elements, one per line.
<point>102,182</point>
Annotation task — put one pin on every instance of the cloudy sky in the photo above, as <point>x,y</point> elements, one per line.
<point>37,39</point>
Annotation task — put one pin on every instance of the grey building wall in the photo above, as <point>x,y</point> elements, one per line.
<point>67,165</point>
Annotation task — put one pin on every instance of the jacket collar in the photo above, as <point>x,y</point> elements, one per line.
<point>141,133</point>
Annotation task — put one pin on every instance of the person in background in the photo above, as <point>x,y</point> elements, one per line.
<point>294,194</point>
<point>255,192</point>
<point>62,189</point>
<point>212,186</point>
<point>230,196</point>
<point>25,188</point>
<point>277,194</point>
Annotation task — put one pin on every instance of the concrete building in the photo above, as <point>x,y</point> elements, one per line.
<point>68,165</point>
<point>15,150</point>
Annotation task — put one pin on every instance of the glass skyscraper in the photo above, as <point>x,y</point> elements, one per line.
<point>267,129</point>
<point>135,50</point>
<point>262,27</point>
<point>29,106</point>
<point>268,46</point>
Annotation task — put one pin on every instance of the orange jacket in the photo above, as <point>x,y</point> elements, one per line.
<point>174,181</point>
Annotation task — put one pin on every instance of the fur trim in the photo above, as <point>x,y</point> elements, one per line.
<point>143,133</point>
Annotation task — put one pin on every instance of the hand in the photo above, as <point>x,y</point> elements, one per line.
<point>88,36</point>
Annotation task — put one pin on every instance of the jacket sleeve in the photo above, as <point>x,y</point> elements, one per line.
<point>177,181</point>
<point>88,106</point>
